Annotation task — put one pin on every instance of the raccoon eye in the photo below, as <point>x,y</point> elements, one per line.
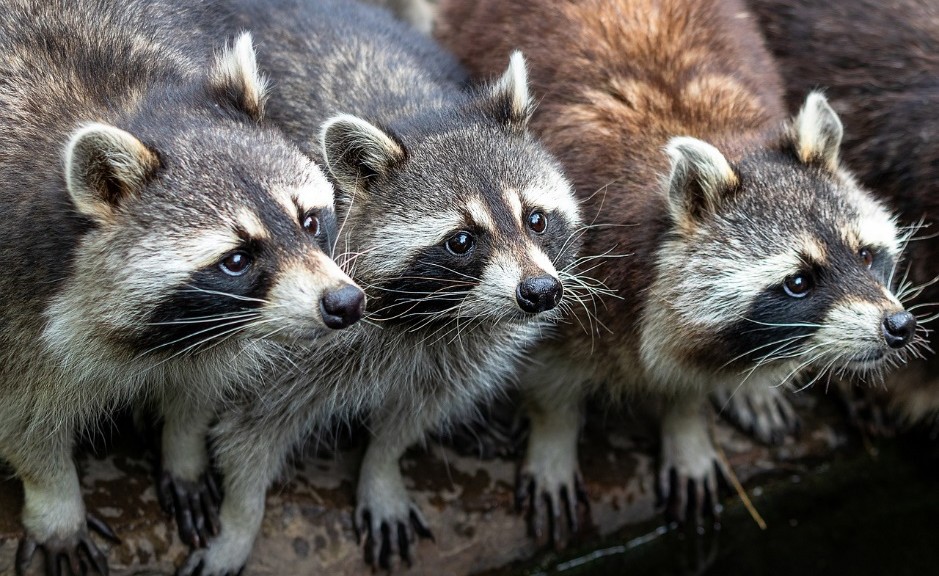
<point>538,222</point>
<point>235,264</point>
<point>798,285</point>
<point>311,223</point>
<point>867,257</point>
<point>460,243</point>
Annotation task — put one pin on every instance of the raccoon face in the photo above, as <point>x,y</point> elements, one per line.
<point>207,229</point>
<point>458,215</point>
<point>779,260</point>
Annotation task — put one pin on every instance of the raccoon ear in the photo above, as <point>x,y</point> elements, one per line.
<point>700,176</point>
<point>234,77</point>
<point>818,132</point>
<point>357,151</point>
<point>105,165</point>
<point>509,97</point>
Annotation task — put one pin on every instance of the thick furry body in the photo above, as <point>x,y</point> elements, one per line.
<point>132,167</point>
<point>695,241</point>
<point>422,164</point>
<point>881,76</point>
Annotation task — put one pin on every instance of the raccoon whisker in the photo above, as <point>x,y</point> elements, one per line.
<point>921,305</point>
<point>590,285</point>
<point>782,325</point>
<point>925,319</point>
<point>341,227</point>
<point>893,272</point>
<point>204,319</point>
<point>226,294</point>
<point>452,271</point>
<point>769,356</point>
<point>811,360</point>
<point>222,336</point>
<point>607,254</point>
<point>915,291</point>
<point>818,375</point>
<point>238,326</point>
<point>449,283</point>
<point>149,351</point>
<point>592,320</point>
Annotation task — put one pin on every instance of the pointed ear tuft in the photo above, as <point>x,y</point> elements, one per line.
<point>700,177</point>
<point>105,165</point>
<point>357,151</point>
<point>509,96</point>
<point>235,77</point>
<point>817,132</point>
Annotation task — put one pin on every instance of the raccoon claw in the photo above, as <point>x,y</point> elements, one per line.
<point>544,506</point>
<point>684,494</point>
<point>195,506</point>
<point>387,538</point>
<point>77,555</point>
<point>196,565</point>
<point>764,414</point>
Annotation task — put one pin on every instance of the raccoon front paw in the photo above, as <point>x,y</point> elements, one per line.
<point>75,555</point>
<point>206,562</point>
<point>688,483</point>
<point>194,504</point>
<point>542,494</point>
<point>761,412</point>
<point>390,530</point>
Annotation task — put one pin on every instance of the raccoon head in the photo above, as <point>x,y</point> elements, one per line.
<point>779,260</point>
<point>206,229</point>
<point>456,215</point>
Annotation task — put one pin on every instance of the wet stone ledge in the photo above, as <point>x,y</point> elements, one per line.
<point>469,502</point>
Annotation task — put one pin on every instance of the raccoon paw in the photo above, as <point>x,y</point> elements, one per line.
<point>194,504</point>
<point>75,555</point>
<point>688,482</point>
<point>762,412</point>
<point>390,531</point>
<point>204,563</point>
<point>542,495</point>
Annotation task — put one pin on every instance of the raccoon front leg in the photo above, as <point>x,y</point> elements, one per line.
<point>249,459</point>
<point>385,514</point>
<point>758,409</point>
<point>549,479</point>
<point>54,514</point>
<point>689,467</point>
<point>187,489</point>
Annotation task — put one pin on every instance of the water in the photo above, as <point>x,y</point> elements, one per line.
<point>859,516</point>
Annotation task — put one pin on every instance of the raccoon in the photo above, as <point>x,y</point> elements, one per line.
<point>881,77</point>
<point>157,242</point>
<point>458,225</point>
<point>752,253</point>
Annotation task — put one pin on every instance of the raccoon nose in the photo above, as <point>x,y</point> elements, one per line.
<point>899,328</point>
<point>538,294</point>
<point>342,308</point>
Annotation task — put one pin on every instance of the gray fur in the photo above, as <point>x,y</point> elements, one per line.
<point>444,333</point>
<point>129,168</point>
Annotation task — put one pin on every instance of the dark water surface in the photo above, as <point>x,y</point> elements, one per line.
<point>857,516</point>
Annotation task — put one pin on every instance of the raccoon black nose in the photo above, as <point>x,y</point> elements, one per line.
<point>342,308</point>
<point>538,294</point>
<point>899,329</point>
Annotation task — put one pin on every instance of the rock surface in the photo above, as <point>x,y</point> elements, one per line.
<point>469,502</point>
